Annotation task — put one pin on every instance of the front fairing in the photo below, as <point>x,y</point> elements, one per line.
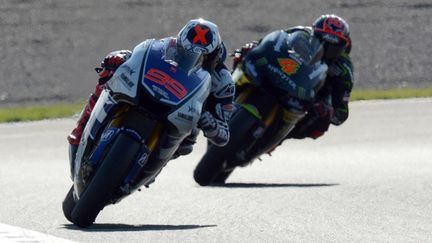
<point>275,65</point>
<point>171,93</point>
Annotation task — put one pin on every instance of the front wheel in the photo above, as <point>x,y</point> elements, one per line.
<point>106,180</point>
<point>213,166</point>
<point>69,204</point>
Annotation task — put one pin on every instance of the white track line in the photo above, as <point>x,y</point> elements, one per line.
<point>12,234</point>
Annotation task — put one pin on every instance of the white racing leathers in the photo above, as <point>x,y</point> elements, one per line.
<point>219,104</point>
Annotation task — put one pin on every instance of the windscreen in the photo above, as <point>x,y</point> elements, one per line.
<point>308,49</point>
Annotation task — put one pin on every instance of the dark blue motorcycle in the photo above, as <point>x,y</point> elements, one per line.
<point>276,84</point>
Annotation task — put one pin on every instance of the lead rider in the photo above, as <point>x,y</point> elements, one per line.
<point>198,43</point>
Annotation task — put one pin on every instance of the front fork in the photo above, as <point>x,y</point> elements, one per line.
<point>145,130</point>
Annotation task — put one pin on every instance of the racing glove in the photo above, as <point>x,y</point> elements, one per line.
<point>215,130</point>
<point>110,64</point>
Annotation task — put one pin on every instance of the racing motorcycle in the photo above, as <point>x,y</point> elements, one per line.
<point>276,83</point>
<point>149,106</point>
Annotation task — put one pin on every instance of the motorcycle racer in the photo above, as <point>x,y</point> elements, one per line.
<point>198,44</point>
<point>331,104</point>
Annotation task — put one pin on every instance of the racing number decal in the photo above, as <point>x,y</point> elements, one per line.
<point>159,77</point>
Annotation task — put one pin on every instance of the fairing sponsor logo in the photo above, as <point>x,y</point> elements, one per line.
<point>288,65</point>
<point>107,135</point>
<point>192,109</point>
<point>129,69</point>
<point>282,75</point>
<point>295,56</point>
<point>143,159</point>
<point>133,133</point>
<point>108,105</point>
<point>185,116</point>
<point>160,91</point>
<point>126,80</point>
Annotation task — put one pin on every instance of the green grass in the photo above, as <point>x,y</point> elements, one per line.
<point>66,110</point>
<point>390,94</point>
<point>39,112</point>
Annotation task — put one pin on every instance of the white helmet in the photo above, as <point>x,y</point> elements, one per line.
<point>198,37</point>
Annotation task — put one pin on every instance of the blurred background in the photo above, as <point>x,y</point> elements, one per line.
<point>49,48</point>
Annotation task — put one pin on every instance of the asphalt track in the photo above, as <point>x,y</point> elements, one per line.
<point>369,180</point>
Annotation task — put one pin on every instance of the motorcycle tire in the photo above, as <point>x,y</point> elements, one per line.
<point>106,180</point>
<point>222,177</point>
<point>212,167</point>
<point>68,204</point>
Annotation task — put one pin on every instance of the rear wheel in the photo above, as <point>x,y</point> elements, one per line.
<point>106,181</point>
<point>222,177</point>
<point>212,167</point>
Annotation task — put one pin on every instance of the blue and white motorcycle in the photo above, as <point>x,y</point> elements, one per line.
<point>149,106</point>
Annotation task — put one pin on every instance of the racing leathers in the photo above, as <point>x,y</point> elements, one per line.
<point>214,117</point>
<point>331,106</point>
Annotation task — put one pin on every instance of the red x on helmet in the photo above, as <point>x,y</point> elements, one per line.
<point>334,32</point>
